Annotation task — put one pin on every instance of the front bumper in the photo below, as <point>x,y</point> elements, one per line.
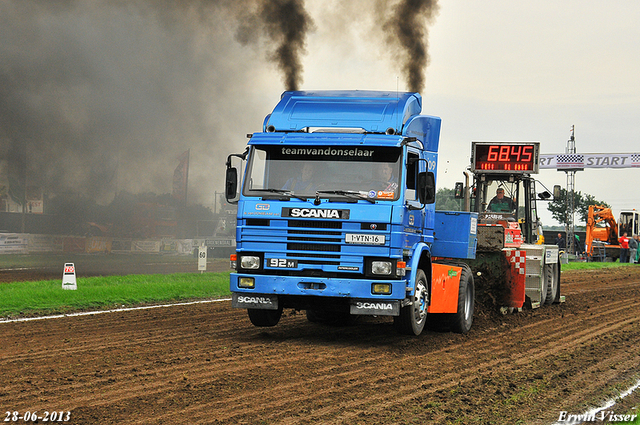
<point>319,286</point>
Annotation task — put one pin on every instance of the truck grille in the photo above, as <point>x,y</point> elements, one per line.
<point>312,247</point>
<point>310,242</point>
<point>313,240</point>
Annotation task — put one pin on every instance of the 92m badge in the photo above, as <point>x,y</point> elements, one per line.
<point>282,263</point>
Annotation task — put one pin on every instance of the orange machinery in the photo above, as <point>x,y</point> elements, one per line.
<point>608,233</point>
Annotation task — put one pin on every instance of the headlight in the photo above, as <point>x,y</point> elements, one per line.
<point>381,267</point>
<point>249,262</point>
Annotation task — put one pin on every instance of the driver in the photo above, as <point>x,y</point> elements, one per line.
<point>304,182</point>
<point>384,175</point>
<point>501,203</point>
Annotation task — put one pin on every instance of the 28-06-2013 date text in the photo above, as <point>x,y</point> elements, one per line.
<point>46,416</point>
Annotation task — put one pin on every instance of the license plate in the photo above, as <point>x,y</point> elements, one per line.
<point>364,239</point>
<point>282,263</point>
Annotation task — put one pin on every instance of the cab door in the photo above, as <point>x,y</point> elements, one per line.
<point>414,212</point>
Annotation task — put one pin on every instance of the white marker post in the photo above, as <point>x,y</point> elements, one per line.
<point>202,258</point>
<point>69,277</point>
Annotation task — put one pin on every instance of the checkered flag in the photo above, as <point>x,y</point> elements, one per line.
<point>635,159</point>
<point>570,160</point>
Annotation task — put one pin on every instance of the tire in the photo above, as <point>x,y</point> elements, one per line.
<point>545,285</point>
<point>264,318</point>
<point>461,321</point>
<point>413,317</point>
<point>553,283</point>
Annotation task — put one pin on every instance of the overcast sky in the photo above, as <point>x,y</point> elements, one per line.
<point>134,84</point>
<point>505,70</point>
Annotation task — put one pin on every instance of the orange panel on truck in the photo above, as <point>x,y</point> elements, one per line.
<point>445,283</point>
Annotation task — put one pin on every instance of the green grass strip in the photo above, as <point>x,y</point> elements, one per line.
<point>594,266</point>
<point>48,297</point>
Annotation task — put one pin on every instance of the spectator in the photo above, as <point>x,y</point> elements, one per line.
<point>578,245</point>
<point>560,241</point>
<point>633,248</point>
<point>624,248</point>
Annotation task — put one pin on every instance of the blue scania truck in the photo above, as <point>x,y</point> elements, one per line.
<point>336,215</point>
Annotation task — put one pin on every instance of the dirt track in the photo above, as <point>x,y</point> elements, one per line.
<point>206,363</point>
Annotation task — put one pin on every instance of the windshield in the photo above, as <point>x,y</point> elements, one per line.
<point>355,171</point>
<point>502,197</point>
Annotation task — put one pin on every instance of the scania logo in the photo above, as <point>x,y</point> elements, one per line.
<point>315,213</point>
<point>254,300</point>
<point>374,306</point>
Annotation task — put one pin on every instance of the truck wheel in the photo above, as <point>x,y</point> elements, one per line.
<point>461,321</point>
<point>552,275</point>
<point>413,317</point>
<point>264,318</point>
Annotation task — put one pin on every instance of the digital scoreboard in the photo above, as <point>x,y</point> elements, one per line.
<point>505,157</point>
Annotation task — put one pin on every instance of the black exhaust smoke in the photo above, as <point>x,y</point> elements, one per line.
<point>102,96</point>
<point>285,23</point>
<point>407,29</point>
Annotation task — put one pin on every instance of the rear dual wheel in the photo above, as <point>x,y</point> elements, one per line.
<point>461,321</point>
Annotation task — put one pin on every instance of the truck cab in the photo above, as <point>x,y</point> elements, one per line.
<point>336,215</point>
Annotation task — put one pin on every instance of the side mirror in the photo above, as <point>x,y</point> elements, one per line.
<point>544,195</point>
<point>458,192</point>
<point>231,184</point>
<point>427,187</point>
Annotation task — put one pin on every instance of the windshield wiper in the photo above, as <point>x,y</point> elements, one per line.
<point>349,194</point>
<point>288,193</point>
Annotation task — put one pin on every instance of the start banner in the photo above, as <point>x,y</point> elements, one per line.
<point>579,161</point>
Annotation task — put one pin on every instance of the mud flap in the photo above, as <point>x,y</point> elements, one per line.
<point>255,301</point>
<point>374,307</point>
<point>445,284</point>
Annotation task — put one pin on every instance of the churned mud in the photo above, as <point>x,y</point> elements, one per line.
<point>205,363</point>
